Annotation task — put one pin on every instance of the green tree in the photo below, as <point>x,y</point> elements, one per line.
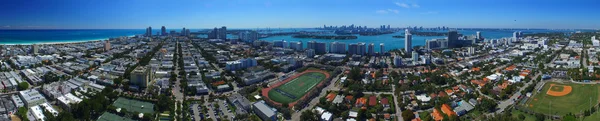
<point>23,86</point>
<point>22,113</point>
<point>309,115</point>
<point>408,115</point>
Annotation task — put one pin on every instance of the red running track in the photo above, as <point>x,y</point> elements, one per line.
<point>265,91</point>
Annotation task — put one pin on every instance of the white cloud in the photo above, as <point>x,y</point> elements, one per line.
<point>430,12</point>
<point>381,11</point>
<point>415,6</point>
<point>7,26</point>
<point>393,11</point>
<point>404,5</point>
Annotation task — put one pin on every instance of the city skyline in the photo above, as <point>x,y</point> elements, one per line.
<point>73,14</point>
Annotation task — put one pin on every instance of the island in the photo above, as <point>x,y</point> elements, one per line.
<point>429,33</point>
<point>375,33</point>
<point>338,37</point>
<point>398,36</point>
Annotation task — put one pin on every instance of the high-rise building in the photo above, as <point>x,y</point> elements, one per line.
<point>296,46</point>
<point>183,32</point>
<point>371,49</point>
<point>106,45</point>
<point>187,32</point>
<point>362,48</point>
<point>453,39</point>
<point>515,37</point>
<point>353,49</point>
<point>218,33</point>
<point>337,47</point>
<point>407,41</point>
<point>479,36</point>
<point>223,33</point>
<point>310,53</point>
<point>397,61</point>
<point>319,47</point>
<point>140,76</point>
<point>163,31</point>
<point>149,31</point>
<point>415,56</point>
<point>34,49</point>
<point>381,49</point>
<point>248,36</point>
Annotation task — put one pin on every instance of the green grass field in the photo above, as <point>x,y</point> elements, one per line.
<point>134,105</point>
<point>579,99</point>
<point>296,87</point>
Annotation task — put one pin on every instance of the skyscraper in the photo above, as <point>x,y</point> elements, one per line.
<point>453,39</point>
<point>415,57</point>
<point>223,33</point>
<point>319,47</point>
<point>34,49</point>
<point>407,41</point>
<point>381,49</point>
<point>515,37</point>
<point>163,31</point>
<point>183,32</point>
<point>371,49</point>
<point>362,47</point>
<point>353,49</point>
<point>149,31</point>
<point>106,45</point>
<point>337,47</point>
<point>248,36</point>
<point>479,36</point>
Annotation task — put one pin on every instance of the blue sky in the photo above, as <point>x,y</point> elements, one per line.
<point>138,14</point>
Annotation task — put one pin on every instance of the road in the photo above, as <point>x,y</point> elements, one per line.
<point>505,103</point>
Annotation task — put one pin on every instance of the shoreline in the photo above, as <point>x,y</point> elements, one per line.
<point>63,41</point>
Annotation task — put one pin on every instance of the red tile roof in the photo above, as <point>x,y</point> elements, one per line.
<point>385,101</point>
<point>372,101</point>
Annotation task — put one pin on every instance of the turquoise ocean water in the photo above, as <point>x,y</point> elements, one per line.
<point>54,36</point>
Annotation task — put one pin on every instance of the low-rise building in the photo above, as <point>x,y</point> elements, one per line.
<point>265,112</point>
<point>32,97</point>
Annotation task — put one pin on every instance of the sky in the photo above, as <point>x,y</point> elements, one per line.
<point>198,14</point>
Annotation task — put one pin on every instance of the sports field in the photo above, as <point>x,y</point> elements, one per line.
<point>560,99</point>
<point>296,88</point>
<point>134,105</point>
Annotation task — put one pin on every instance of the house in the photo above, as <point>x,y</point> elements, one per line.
<point>387,116</point>
<point>326,116</point>
<point>330,97</point>
<point>463,108</point>
<point>338,99</point>
<point>436,115</point>
<point>446,109</point>
<point>385,102</point>
<point>360,102</point>
<point>372,101</point>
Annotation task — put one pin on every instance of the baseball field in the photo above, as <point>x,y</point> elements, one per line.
<point>560,99</point>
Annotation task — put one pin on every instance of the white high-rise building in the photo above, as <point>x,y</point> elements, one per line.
<point>407,41</point>
<point>415,57</point>
<point>515,37</point>
<point>381,48</point>
<point>479,35</point>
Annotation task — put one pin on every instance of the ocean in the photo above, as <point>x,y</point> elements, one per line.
<point>25,37</point>
<point>397,43</point>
